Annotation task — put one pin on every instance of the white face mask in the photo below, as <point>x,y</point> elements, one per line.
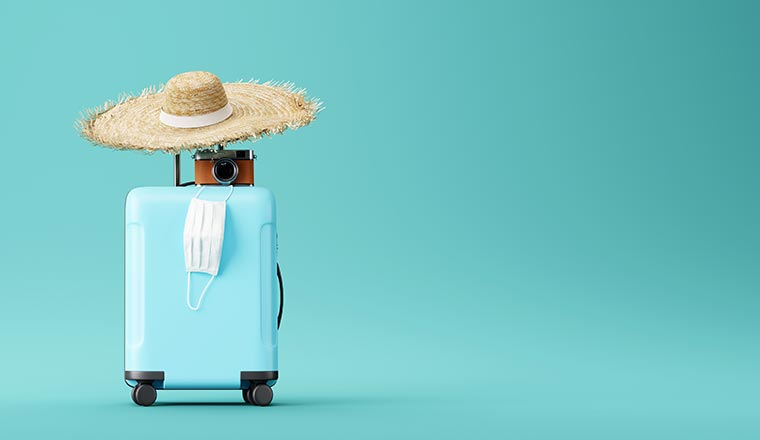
<point>203,239</point>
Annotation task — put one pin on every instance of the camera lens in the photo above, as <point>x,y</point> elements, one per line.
<point>225,171</point>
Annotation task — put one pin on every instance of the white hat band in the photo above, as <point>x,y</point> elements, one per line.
<point>196,121</point>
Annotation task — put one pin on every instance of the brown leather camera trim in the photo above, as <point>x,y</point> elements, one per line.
<point>204,174</point>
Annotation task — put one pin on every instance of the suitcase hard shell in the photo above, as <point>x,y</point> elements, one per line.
<point>231,341</point>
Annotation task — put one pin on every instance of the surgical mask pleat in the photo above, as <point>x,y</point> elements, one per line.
<point>196,243</point>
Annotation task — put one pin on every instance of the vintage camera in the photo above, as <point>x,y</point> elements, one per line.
<point>224,167</point>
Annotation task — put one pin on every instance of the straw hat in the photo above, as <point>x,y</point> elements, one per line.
<point>195,110</point>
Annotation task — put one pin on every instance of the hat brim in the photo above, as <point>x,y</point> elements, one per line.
<point>257,110</point>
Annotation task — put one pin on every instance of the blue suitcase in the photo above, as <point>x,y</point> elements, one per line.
<point>230,341</point>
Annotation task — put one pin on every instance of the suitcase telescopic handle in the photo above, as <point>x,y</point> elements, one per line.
<point>176,170</point>
<point>178,173</point>
<point>282,295</point>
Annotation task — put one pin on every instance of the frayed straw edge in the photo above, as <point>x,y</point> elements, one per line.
<point>85,123</point>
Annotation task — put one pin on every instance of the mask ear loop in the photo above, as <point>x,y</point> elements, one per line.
<point>229,194</point>
<point>187,296</point>
<point>202,293</point>
<point>199,192</point>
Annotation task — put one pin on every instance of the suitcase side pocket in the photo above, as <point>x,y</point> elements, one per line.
<point>267,288</point>
<point>134,286</point>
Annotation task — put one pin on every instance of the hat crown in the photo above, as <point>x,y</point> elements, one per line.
<point>193,94</point>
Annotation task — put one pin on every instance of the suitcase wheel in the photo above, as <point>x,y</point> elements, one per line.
<point>144,394</point>
<point>260,395</point>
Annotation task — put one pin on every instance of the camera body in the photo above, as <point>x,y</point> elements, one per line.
<point>224,167</point>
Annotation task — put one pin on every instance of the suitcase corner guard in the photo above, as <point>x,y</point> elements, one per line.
<point>258,376</point>
<point>144,376</point>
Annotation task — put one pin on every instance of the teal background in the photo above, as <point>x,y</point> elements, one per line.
<point>530,220</point>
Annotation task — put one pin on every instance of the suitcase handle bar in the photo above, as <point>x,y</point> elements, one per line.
<point>282,295</point>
